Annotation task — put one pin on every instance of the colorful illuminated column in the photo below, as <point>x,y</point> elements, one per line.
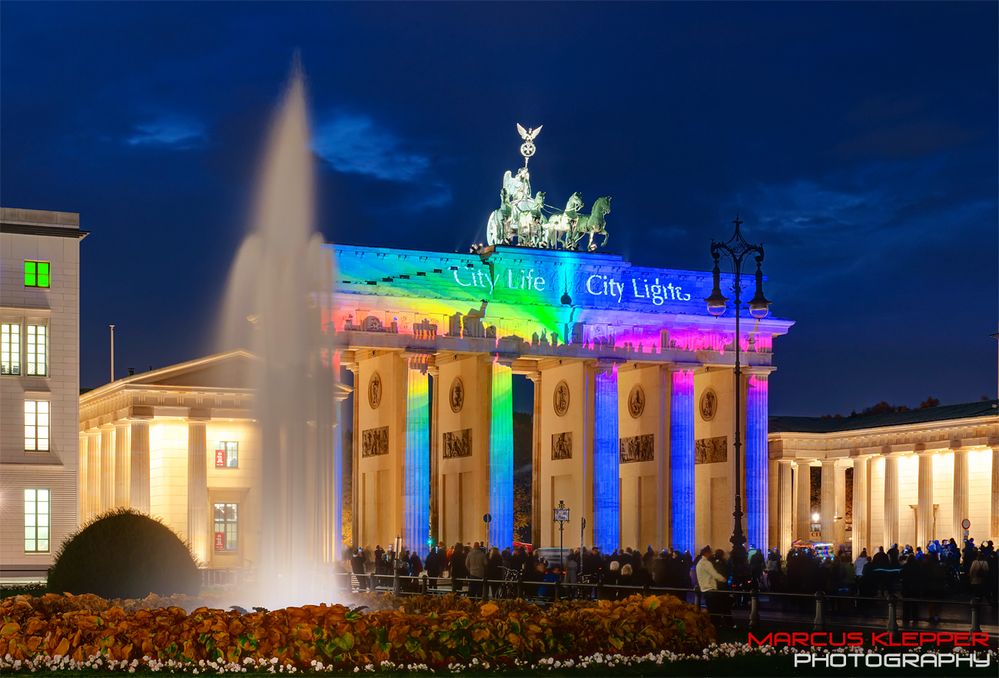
<point>606,458</point>
<point>681,457</point>
<point>757,473</point>
<point>336,496</point>
<point>501,457</point>
<point>416,466</point>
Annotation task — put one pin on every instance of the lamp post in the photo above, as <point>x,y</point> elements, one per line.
<point>737,249</point>
<point>560,515</point>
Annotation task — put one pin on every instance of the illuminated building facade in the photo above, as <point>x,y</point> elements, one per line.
<point>633,397</point>
<point>632,421</point>
<point>39,386</point>
<point>905,477</point>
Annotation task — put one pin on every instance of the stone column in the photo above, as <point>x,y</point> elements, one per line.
<point>139,478</point>
<point>81,479</point>
<point>756,475</point>
<point>501,457</point>
<point>536,461</point>
<point>861,507</point>
<point>804,499</point>
<point>107,467</point>
<point>839,525</point>
<point>355,457</point>
<point>827,499</point>
<point>416,462</point>
<point>960,493</point>
<point>924,512</point>
<point>435,390</point>
<point>122,460</point>
<point>197,490</point>
<point>891,501</point>
<point>606,462</point>
<point>681,458</point>
<point>784,507</point>
<point>341,393</point>
<point>93,474</point>
<point>994,532</point>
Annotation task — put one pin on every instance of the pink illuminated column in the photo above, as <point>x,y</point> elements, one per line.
<point>681,460</point>
<point>757,476</point>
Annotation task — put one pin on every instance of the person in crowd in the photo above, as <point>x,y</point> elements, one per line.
<point>475,564</point>
<point>978,574</point>
<point>708,579</point>
<point>494,571</point>
<point>459,571</point>
<point>434,566</point>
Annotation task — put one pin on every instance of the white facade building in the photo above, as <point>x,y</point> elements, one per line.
<point>39,386</point>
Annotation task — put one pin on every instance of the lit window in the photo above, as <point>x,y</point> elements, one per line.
<point>36,521</point>
<point>227,454</point>
<point>38,344</point>
<point>10,348</point>
<point>226,527</point>
<point>36,274</point>
<point>36,425</point>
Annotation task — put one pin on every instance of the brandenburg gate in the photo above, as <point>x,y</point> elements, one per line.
<point>633,387</point>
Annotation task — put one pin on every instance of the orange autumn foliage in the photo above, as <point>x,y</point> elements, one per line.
<point>430,630</point>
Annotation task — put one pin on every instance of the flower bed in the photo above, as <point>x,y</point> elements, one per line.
<point>424,633</point>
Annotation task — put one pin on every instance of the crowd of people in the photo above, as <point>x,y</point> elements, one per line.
<point>940,571</point>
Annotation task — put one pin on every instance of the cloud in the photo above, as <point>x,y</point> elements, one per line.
<point>354,144</point>
<point>169,131</point>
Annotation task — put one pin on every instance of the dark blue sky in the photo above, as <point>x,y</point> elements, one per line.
<point>858,141</point>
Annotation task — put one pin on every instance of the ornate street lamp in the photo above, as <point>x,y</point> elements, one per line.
<point>737,248</point>
<point>560,515</point>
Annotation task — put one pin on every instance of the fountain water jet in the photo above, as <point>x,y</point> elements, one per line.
<point>278,287</point>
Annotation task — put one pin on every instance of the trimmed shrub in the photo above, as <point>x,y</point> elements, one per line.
<point>124,554</point>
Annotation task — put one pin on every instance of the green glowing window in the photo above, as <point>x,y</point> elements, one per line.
<point>226,527</point>
<point>10,348</point>
<point>36,274</point>
<point>36,521</point>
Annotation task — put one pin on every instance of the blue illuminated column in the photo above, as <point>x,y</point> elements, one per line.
<point>501,457</point>
<point>681,460</point>
<point>757,475</point>
<point>416,466</point>
<point>606,459</point>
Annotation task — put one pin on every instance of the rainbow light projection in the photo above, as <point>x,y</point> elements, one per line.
<point>547,302</point>
<point>681,459</point>
<point>757,476</point>
<point>606,458</point>
<point>416,489</point>
<point>501,457</point>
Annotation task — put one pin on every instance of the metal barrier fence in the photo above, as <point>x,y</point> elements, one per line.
<point>824,610</point>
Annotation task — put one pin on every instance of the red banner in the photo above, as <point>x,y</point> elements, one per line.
<point>220,541</point>
<point>219,458</point>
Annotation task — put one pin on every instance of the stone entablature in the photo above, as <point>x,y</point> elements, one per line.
<point>950,434</point>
